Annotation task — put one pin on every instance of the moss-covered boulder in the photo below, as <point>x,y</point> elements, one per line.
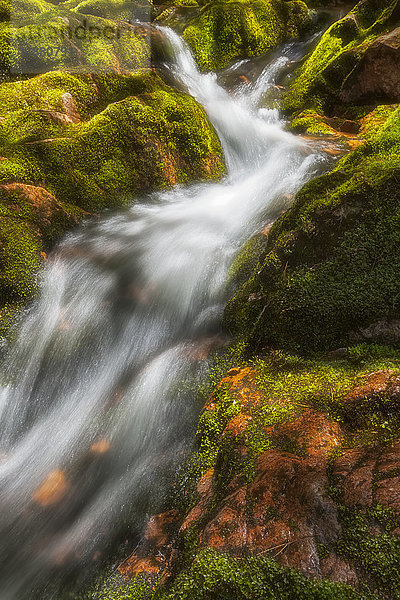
<point>323,82</point>
<point>122,10</point>
<point>225,30</point>
<point>155,138</point>
<point>329,270</point>
<point>31,220</point>
<point>77,143</point>
<point>52,37</point>
<point>291,491</point>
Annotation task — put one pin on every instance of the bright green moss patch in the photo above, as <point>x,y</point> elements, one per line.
<point>225,30</point>
<point>217,576</point>
<point>58,38</point>
<point>311,123</point>
<point>373,121</point>
<point>90,93</point>
<point>125,10</point>
<point>154,140</point>
<point>19,10</point>
<point>19,260</point>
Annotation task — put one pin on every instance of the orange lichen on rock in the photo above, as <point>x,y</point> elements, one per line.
<point>52,490</point>
<point>152,556</point>
<point>242,386</point>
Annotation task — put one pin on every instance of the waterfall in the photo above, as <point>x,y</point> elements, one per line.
<point>90,414</point>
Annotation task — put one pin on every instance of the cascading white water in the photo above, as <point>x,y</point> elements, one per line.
<point>90,417</point>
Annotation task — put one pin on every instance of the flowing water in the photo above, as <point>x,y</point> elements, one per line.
<point>91,419</point>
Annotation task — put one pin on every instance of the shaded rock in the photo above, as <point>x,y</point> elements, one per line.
<point>385,330</point>
<point>153,554</point>
<point>376,77</point>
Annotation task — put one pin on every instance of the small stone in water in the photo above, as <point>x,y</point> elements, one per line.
<point>52,490</point>
<point>100,447</point>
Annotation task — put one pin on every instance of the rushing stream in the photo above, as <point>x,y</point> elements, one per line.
<point>129,306</point>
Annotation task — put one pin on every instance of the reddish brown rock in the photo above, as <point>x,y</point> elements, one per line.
<point>205,489</point>
<point>153,554</point>
<point>376,387</point>
<point>388,493</point>
<point>369,476</point>
<point>242,386</point>
<point>52,490</point>
<point>376,77</point>
<point>46,212</point>
<point>313,433</point>
<point>286,511</point>
<point>337,569</point>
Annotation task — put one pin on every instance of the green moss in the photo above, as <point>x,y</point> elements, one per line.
<point>19,260</point>
<point>318,83</point>
<point>154,139</point>
<point>19,10</point>
<point>311,123</point>
<point>225,30</point>
<point>332,260</point>
<point>24,126</point>
<point>243,264</point>
<point>217,576</point>
<point>59,38</point>
<point>377,556</point>
<point>373,120</point>
<point>125,10</point>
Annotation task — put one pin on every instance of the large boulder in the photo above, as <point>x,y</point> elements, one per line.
<point>376,77</point>
<point>287,476</point>
<point>339,57</point>
<point>225,30</point>
<point>77,143</point>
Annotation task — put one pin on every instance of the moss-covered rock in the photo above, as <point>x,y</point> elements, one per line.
<point>146,141</point>
<point>328,273</point>
<point>91,141</point>
<point>123,10</point>
<point>318,85</point>
<point>31,219</point>
<point>57,37</point>
<point>224,30</point>
<point>321,496</point>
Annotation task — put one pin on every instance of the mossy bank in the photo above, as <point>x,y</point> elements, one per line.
<point>74,144</point>
<point>327,273</point>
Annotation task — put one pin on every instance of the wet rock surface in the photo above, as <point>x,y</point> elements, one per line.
<point>291,509</point>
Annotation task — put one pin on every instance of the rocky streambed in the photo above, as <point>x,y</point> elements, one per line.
<point>291,487</point>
